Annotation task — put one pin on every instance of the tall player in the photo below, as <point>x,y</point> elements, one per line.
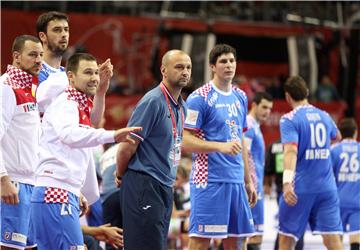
<point>54,32</point>
<point>309,188</point>
<point>220,181</point>
<point>346,163</point>
<point>260,110</point>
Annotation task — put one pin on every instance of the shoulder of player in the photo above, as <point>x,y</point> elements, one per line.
<point>335,146</point>
<point>250,122</point>
<point>202,91</point>
<point>153,98</point>
<point>239,91</point>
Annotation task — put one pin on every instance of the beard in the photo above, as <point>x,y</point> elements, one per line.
<point>57,50</point>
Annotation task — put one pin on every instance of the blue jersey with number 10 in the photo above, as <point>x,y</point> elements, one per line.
<point>311,129</point>
<point>217,116</point>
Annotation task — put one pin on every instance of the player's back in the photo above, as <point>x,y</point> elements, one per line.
<point>312,130</point>
<point>346,163</point>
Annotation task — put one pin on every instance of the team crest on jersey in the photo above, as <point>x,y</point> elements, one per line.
<point>233,130</point>
<point>7,235</point>
<point>191,117</point>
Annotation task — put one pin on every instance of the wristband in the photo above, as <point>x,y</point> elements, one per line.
<point>288,176</point>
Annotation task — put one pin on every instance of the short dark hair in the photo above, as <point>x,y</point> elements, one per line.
<point>218,50</point>
<point>72,63</point>
<point>44,19</point>
<point>19,42</point>
<point>296,87</point>
<point>262,95</point>
<point>347,127</point>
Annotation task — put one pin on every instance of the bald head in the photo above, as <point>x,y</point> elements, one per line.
<point>171,54</point>
<point>176,68</point>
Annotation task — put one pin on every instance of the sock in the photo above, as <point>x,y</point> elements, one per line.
<point>253,246</point>
<point>355,246</point>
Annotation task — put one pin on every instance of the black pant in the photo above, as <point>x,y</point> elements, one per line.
<point>146,206</point>
<point>112,212</point>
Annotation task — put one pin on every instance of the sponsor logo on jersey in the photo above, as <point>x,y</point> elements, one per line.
<point>28,107</point>
<point>213,99</point>
<point>216,228</point>
<point>18,238</point>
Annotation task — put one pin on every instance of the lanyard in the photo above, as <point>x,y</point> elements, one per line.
<point>163,89</point>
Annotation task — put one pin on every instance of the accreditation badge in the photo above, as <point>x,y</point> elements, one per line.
<point>175,155</point>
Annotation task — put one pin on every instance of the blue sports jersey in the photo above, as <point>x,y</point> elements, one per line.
<point>48,70</point>
<point>255,140</point>
<point>346,163</point>
<point>220,116</point>
<point>158,153</point>
<point>311,129</point>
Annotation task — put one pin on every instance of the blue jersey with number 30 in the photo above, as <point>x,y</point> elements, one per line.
<point>311,129</point>
<point>217,116</point>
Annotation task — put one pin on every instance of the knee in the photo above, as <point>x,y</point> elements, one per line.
<point>286,242</point>
<point>332,242</point>
<point>199,243</point>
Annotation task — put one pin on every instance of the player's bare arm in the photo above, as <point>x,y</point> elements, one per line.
<point>105,72</point>
<point>125,151</point>
<point>193,144</point>
<point>290,157</point>
<point>249,185</point>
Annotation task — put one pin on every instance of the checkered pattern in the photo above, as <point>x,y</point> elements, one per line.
<point>204,90</point>
<point>18,78</point>
<point>56,195</point>
<point>201,164</point>
<point>252,170</point>
<point>291,114</point>
<point>239,91</point>
<point>85,103</point>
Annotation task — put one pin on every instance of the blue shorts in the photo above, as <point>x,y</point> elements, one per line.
<point>220,210</point>
<point>258,215</point>
<point>16,225</point>
<point>57,224</point>
<point>320,210</point>
<point>350,219</point>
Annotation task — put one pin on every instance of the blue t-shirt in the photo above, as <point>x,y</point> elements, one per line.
<point>158,153</point>
<point>219,116</point>
<point>346,163</point>
<point>312,130</point>
<point>48,70</point>
<point>257,149</point>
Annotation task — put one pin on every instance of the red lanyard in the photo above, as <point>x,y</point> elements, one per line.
<point>164,90</point>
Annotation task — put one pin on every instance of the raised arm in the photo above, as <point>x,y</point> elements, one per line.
<point>106,72</point>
